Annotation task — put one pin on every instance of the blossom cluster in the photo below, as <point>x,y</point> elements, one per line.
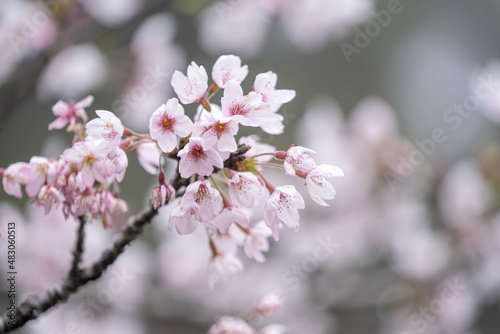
<point>219,179</point>
<point>82,179</point>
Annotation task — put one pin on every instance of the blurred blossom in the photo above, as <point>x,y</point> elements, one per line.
<point>192,249</point>
<point>156,31</point>
<point>73,72</point>
<point>156,56</point>
<point>417,251</point>
<point>238,27</point>
<point>231,325</point>
<point>458,301</point>
<point>242,26</point>
<point>24,28</point>
<point>149,157</point>
<point>274,7</point>
<point>38,231</point>
<point>311,24</point>
<point>128,280</point>
<point>112,13</point>
<point>464,195</point>
<point>488,77</point>
<point>373,120</point>
<point>81,318</point>
<point>332,139</point>
<point>486,275</point>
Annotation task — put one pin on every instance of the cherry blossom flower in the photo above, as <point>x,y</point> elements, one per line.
<point>227,68</point>
<point>229,324</point>
<point>47,197</point>
<point>317,185</point>
<point>207,198</point>
<point>228,242</point>
<point>203,114</point>
<point>196,158</point>
<point>192,87</point>
<point>282,206</point>
<point>229,215</point>
<point>217,131</point>
<point>222,267</point>
<point>257,148</point>
<point>104,132</point>
<point>256,241</point>
<point>99,203</point>
<point>168,121</point>
<point>112,166</point>
<point>84,156</point>
<point>274,124</point>
<point>200,203</point>
<point>298,156</point>
<point>149,156</point>
<point>245,108</point>
<point>69,113</point>
<point>265,84</point>
<point>162,192</point>
<point>13,177</point>
<point>40,171</point>
<point>244,189</point>
<point>75,183</point>
<point>185,219</point>
<point>106,205</point>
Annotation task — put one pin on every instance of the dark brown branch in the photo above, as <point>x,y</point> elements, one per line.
<point>32,307</point>
<point>78,251</point>
<point>236,157</point>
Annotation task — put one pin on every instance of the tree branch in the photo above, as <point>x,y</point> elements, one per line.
<point>33,306</point>
<point>77,253</point>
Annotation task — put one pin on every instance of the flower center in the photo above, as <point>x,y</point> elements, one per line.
<point>88,160</point>
<point>238,109</point>
<point>219,129</point>
<point>167,123</point>
<point>284,202</point>
<point>108,131</point>
<point>196,153</point>
<point>202,195</point>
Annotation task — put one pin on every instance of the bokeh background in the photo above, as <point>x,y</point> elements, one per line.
<point>386,90</point>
